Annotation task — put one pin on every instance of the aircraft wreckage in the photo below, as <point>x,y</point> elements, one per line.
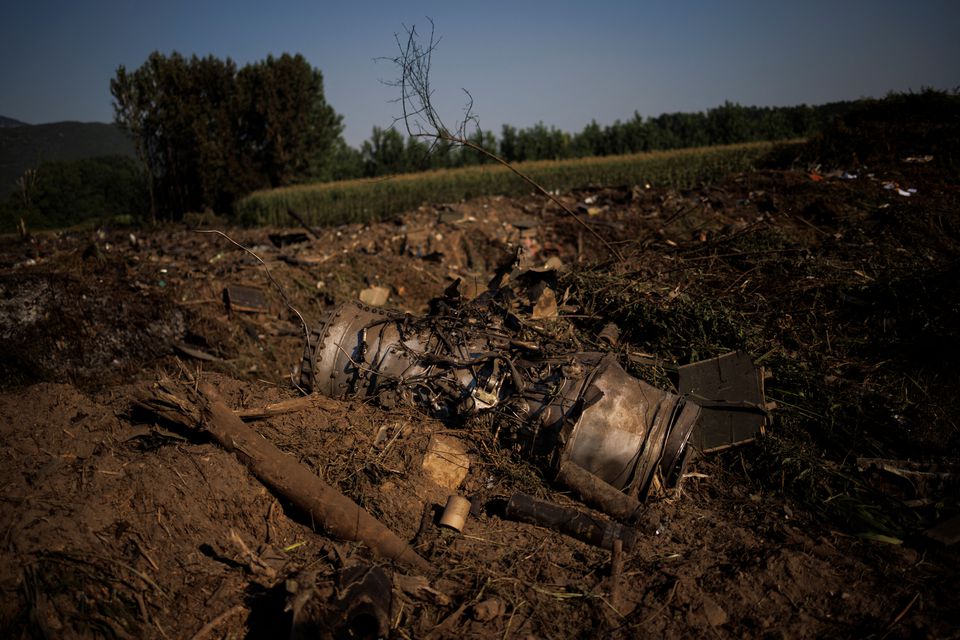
<point>612,438</point>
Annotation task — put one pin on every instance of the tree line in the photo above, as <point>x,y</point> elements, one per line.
<point>207,133</point>
<point>389,152</point>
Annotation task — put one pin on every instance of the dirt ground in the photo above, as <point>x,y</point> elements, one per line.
<point>117,524</point>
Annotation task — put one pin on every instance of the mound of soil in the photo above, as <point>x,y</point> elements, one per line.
<point>118,524</point>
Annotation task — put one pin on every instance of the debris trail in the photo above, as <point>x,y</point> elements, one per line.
<point>266,269</point>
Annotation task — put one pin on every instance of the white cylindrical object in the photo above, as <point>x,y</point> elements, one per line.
<point>456,512</point>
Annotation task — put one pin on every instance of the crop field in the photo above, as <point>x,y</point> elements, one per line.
<point>375,199</point>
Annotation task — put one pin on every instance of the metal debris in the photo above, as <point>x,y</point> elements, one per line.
<point>577,408</point>
<point>610,334</point>
<point>612,438</point>
<point>729,388</point>
<point>455,513</point>
<point>240,298</point>
<point>574,523</point>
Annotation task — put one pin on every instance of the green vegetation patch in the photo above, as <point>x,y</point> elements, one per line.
<point>366,200</point>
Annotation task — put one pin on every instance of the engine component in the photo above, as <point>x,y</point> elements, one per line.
<point>572,411</point>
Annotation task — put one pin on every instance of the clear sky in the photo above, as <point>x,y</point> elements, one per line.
<point>563,63</point>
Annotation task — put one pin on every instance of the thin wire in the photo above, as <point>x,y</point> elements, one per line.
<point>283,294</point>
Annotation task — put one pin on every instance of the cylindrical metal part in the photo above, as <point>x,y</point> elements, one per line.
<point>628,431</point>
<point>572,522</point>
<point>455,513</point>
<point>368,352</point>
<point>598,493</point>
<point>609,334</point>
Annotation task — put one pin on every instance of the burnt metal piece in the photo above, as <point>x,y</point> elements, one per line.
<point>610,334</point>
<point>572,522</point>
<point>628,433</point>
<point>729,388</point>
<point>245,299</point>
<point>598,494</point>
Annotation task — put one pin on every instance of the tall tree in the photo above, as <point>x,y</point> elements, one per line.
<point>384,153</point>
<point>208,133</point>
<point>286,122</point>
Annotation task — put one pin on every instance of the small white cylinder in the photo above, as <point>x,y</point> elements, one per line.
<point>456,512</point>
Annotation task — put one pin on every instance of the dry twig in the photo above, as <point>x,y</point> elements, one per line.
<point>422,120</point>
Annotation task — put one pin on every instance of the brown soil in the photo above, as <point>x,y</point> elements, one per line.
<point>116,524</point>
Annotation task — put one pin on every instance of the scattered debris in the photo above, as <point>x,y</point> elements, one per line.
<point>612,438</point>
<point>893,186</point>
<point>610,334</point>
<point>244,299</point>
<point>581,411</point>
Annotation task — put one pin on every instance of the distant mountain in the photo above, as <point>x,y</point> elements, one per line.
<point>10,122</point>
<point>25,146</point>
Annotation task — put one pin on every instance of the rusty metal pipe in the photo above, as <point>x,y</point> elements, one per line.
<point>572,522</point>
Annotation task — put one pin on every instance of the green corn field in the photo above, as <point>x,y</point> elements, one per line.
<point>365,200</point>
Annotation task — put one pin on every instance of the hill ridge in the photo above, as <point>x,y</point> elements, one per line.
<point>26,146</point>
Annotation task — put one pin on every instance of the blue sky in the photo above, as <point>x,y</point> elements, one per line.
<point>563,63</point>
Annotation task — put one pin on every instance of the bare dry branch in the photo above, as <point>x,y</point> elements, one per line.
<point>422,120</point>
